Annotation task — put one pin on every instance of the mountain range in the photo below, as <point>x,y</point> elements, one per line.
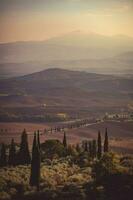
<point>78,51</point>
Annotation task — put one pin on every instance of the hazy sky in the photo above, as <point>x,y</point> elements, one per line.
<point>42,19</point>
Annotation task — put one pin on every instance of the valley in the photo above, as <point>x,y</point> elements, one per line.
<point>44,95</point>
<point>66,100</point>
<point>56,97</point>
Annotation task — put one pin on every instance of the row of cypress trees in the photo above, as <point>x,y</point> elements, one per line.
<point>36,159</point>
<point>16,158</point>
<point>23,156</point>
<point>94,147</point>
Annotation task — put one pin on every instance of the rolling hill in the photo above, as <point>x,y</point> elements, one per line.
<point>66,87</point>
<point>32,97</point>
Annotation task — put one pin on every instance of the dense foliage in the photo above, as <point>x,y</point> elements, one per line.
<point>60,171</point>
<point>109,178</point>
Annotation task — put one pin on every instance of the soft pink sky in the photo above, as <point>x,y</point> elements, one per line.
<point>42,19</point>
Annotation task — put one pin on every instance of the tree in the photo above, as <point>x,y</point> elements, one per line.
<point>90,149</point>
<point>64,140</point>
<point>24,154</point>
<point>3,157</point>
<point>38,139</point>
<point>12,154</point>
<point>35,164</point>
<point>99,146</point>
<point>106,143</point>
<point>86,146</point>
<point>94,149</point>
<point>52,148</point>
<point>39,144</point>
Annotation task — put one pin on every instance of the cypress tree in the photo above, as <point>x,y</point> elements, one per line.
<point>90,149</point>
<point>24,154</point>
<point>94,149</point>
<point>38,139</point>
<point>39,144</point>
<point>106,143</point>
<point>3,157</point>
<point>12,154</point>
<point>86,146</point>
<point>99,146</point>
<point>64,140</point>
<point>35,164</point>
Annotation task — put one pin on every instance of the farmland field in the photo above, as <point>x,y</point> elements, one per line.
<point>120,133</point>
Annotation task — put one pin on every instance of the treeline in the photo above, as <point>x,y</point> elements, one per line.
<point>59,171</point>
<point>72,125</point>
<point>60,128</point>
<point>7,117</point>
<point>21,155</point>
<point>94,147</point>
<point>15,156</point>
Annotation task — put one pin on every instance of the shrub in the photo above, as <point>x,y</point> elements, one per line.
<point>52,149</point>
<point>72,192</point>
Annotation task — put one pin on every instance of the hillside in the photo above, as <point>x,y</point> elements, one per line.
<point>120,64</point>
<point>60,79</point>
<point>51,77</point>
<point>71,92</point>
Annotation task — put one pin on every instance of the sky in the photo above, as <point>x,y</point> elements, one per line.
<point>25,20</point>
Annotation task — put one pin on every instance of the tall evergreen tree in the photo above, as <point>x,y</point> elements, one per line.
<point>12,154</point>
<point>64,140</point>
<point>39,144</point>
<point>86,146</point>
<point>3,157</point>
<point>35,164</point>
<point>24,154</point>
<point>99,146</point>
<point>106,143</point>
<point>90,149</point>
<point>94,149</point>
<point>38,139</point>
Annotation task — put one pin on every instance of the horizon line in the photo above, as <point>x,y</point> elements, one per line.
<point>65,34</point>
